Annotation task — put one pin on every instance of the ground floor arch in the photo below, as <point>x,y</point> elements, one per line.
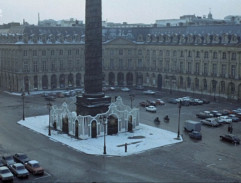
<point>120,79</point>
<point>45,82</point>
<point>53,81</point>
<point>111,79</point>
<point>159,81</point>
<point>62,81</point>
<point>93,129</point>
<point>129,79</point>
<point>112,125</point>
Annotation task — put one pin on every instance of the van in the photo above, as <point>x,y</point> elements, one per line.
<point>190,126</point>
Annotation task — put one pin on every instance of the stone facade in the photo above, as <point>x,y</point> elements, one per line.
<point>192,59</point>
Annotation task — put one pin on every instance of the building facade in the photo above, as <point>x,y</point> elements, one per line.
<point>197,59</point>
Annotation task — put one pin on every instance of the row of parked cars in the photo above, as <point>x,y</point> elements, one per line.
<point>150,106</point>
<point>187,101</point>
<point>62,94</point>
<point>216,118</point>
<point>18,165</point>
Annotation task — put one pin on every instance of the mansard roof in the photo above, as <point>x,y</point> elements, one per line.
<point>209,34</point>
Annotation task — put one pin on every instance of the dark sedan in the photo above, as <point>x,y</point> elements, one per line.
<point>230,138</point>
<point>195,135</point>
<point>20,158</point>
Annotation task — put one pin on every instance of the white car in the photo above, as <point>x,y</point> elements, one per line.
<point>149,92</point>
<point>224,119</point>
<point>5,174</point>
<point>151,108</point>
<point>125,89</point>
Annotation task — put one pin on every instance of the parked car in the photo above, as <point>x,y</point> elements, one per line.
<point>8,160</point>
<point>50,98</point>
<point>144,104</point>
<point>59,95</point>
<point>151,102</point>
<point>204,115</point>
<point>216,113</point>
<point>205,101</point>
<point>160,102</point>
<point>5,174</point>
<point>20,158</point>
<point>225,112</point>
<point>125,89</point>
<point>230,138</point>
<point>149,92</point>
<point>34,167</point>
<point>198,101</point>
<point>151,109</point>
<point>112,88</point>
<point>139,87</point>
<point>19,170</point>
<point>224,120</point>
<point>172,101</point>
<point>195,135</point>
<point>210,122</point>
<point>234,118</point>
<point>1,163</point>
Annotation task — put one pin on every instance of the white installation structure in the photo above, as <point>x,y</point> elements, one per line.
<point>119,118</point>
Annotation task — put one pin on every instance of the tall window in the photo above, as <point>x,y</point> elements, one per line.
<point>25,66</point>
<point>205,54</point>
<point>182,54</point>
<point>167,53</point>
<point>25,53</point>
<point>215,55</point>
<point>214,71</point>
<point>198,54</point>
<point>233,56</point>
<point>139,52</point>
<point>224,55</point>
<point>154,64</point>
<point>77,52</point>
<point>139,62</point>
<point>205,69</point>
<point>53,66</point>
<point>120,64</point>
<point>233,71</point>
<point>61,65</point>
<point>70,64</point>
<point>61,52</point>
<point>69,52</point>
<point>197,68</point>
<point>189,53</point>
<point>223,71</point>
<point>120,51</point>
<point>112,64</point>
<point>44,66</point>
<point>181,67</point>
<point>34,53</point>
<point>35,66</point>
<point>189,67</point>
<point>129,52</point>
<point>43,52</point>
<point>52,53</point>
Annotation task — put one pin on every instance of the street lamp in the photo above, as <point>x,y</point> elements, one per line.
<point>178,130</point>
<point>49,106</point>
<point>23,95</point>
<point>132,97</point>
<point>103,122</point>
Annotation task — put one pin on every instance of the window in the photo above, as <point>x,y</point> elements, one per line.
<point>34,52</point>
<point>189,53</point>
<point>197,68</point>
<point>154,64</point>
<point>224,55</point>
<point>35,66</point>
<point>139,52</point>
<point>223,71</point>
<point>52,53</point>
<point>25,53</point>
<point>233,71</point>
<point>44,66</point>
<point>77,52</point>
<point>198,54</point>
<point>53,66</point>
<point>154,52</point>
<point>182,54</point>
<point>189,67</point>
<point>43,52</point>
<point>233,56</point>
<point>129,63</point>
<point>112,52</point>
<point>120,51</point>
<point>205,69</point>
<point>69,52</point>
<point>120,64</point>
<point>139,62</point>
<point>205,54</point>
<point>214,71</point>
<point>167,53</point>
<point>61,65</point>
<point>215,55</point>
<point>174,53</point>
<point>181,67</point>
<point>70,65</point>
<point>129,51</point>
<point>25,66</point>
<point>112,64</point>
<point>160,53</point>
<point>61,52</point>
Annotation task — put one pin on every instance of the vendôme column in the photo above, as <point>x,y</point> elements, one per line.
<point>93,100</point>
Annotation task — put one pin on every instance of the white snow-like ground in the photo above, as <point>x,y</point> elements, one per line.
<point>153,138</point>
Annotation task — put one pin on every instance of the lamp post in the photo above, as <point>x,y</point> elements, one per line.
<point>179,112</point>
<point>49,106</point>
<point>103,122</point>
<point>23,95</point>
<point>132,97</point>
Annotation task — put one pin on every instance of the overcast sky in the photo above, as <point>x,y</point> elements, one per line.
<point>131,11</point>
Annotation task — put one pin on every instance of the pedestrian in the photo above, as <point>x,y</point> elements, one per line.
<point>231,129</point>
